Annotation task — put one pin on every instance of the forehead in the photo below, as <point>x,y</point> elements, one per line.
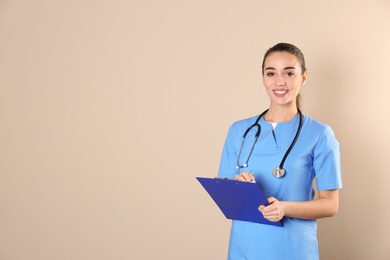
<point>281,60</point>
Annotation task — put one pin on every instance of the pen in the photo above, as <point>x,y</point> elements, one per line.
<point>251,173</point>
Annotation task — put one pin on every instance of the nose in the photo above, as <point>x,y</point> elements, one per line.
<point>279,80</point>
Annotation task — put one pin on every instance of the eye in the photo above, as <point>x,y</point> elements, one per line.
<point>290,74</point>
<point>270,74</point>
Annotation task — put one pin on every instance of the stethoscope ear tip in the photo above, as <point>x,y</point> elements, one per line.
<point>241,166</point>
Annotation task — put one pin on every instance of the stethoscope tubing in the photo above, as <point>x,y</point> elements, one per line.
<point>294,140</point>
<point>279,171</point>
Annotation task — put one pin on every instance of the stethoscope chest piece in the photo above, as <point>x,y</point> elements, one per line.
<point>278,172</point>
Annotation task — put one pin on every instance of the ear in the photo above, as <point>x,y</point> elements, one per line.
<point>304,78</point>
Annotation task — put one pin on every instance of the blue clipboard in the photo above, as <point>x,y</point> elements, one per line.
<point>238,200</point>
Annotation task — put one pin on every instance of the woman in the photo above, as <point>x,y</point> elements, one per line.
<point>314,155</point>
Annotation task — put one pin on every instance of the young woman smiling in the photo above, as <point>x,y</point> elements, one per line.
<point>291,152</point>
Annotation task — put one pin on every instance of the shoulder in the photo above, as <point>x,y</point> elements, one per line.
<point>317,130</point>
<point>243,123</point>
<point>315,125</point>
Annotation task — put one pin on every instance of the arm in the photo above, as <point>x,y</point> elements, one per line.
<point>326,163</point>
<point>326,205</point>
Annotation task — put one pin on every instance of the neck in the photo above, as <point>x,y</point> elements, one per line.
<point>279,114</point>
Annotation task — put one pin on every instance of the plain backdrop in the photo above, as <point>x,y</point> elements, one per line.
<point>110,109</point>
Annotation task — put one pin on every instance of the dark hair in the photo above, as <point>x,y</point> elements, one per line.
<point>289,48</point>
<point>286,47</point>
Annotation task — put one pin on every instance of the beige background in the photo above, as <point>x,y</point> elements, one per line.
<point>109,109</point>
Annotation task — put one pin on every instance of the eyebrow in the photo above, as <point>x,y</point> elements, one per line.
<point>286,68</point>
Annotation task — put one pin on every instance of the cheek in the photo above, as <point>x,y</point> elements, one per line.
<point>266,83</point>
<point>297,83</point>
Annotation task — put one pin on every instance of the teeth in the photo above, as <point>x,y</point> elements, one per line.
<point>280,92</point>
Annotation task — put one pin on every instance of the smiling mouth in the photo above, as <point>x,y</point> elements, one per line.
<point>280,91</point>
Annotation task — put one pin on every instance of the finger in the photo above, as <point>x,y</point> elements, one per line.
<point>248,176</point>
<point>239,177</point>
<point>267,213</point>
<point>273,217</point>
<point>271,200</point>
<point>269,209</point>
<point>243,176</point>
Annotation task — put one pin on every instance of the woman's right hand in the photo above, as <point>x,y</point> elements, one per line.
<point>244,176</point>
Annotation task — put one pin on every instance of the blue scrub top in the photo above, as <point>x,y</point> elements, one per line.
<point>316,155</point>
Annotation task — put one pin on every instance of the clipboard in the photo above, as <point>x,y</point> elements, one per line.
<point>238,200</point>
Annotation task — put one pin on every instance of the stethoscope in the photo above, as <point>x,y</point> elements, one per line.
<point>279,171</point>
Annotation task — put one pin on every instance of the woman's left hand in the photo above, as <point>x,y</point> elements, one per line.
<point>273,212</point>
